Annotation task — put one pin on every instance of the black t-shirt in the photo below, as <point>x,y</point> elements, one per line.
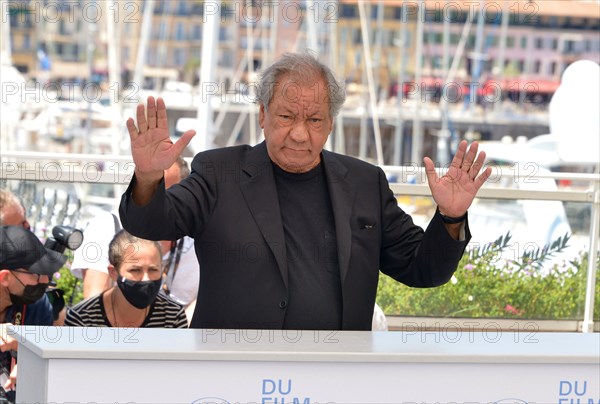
<point>315,297</point>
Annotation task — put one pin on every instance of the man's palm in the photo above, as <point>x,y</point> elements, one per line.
<point>454,192</point>
<point>151,147</point>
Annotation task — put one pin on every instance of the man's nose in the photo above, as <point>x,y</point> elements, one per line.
<point>44,279</point>
<point>299,132</point>
<point>146,277</point>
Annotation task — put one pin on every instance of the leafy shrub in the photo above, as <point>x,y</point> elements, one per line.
<point>484,286</point>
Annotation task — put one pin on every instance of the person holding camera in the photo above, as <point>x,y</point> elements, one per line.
<point>136,268</point>
<point>26,267</point>
<point>13,213</point>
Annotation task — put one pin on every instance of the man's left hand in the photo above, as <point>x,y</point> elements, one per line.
<point>454,192</point>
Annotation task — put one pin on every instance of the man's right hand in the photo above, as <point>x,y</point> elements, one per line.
<point>151,147</point>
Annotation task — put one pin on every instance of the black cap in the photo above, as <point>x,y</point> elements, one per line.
<point>20,248</point>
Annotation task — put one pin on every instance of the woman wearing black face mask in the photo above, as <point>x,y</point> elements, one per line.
<point>135,265</point>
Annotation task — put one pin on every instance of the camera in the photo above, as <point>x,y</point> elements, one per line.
<point>64,237</point>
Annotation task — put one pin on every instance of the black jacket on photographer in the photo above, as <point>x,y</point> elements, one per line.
<point>26,268</point>
<point>38,313</point>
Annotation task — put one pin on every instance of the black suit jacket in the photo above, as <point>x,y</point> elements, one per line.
<point>229,205</point>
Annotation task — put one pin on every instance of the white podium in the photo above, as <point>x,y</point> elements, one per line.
<point>109,365</point>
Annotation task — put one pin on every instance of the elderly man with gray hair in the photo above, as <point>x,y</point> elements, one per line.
<point>288,235</point>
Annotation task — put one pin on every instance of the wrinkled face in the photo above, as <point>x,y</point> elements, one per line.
<point>141,262</point>
<point>297,123</point>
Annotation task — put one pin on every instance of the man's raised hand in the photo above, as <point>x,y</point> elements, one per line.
<point>454,192</point>
<point>151,147</point>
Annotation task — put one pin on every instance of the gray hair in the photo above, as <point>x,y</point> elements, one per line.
<point>305,67</point>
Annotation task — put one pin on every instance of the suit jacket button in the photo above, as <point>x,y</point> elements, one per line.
<point>282,304</point>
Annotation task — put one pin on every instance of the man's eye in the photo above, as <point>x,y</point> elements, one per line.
<point>285,117</point>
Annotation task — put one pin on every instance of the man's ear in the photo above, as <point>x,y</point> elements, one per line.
<point>4,274</point>
<point>261,116</point>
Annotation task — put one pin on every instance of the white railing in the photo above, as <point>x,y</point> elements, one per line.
<point>117,170</point>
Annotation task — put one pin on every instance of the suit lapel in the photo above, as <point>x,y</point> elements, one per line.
<point>342,193</point>
<point>258,188</point>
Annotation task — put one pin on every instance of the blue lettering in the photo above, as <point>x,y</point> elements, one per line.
<point>564,383</point>
<point>269,386</point>
<point>295,400</point>
<point>289,387</point>
<point>267,382</point>
<point>591,401</point>
<point>584,389</point>
<point>566,388</point>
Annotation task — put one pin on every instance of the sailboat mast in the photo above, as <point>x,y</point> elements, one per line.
<point>208,60</point>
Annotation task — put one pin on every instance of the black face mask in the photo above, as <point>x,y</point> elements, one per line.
<point>139,294</point>
<point>31,294</point>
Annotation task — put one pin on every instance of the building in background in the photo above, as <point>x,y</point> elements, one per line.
<point>523,59</point>
<point>544,36</point>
